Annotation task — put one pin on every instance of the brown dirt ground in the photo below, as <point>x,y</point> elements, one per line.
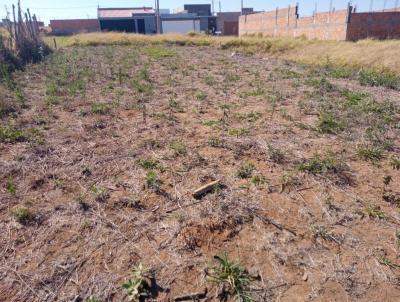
<point>81,243</point>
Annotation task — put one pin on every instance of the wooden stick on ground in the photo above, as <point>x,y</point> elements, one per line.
<point>205,189</point>
<point>192,297</point>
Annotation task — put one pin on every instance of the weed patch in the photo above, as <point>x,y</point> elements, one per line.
<point>321,165</point>
<point>376,78</point>
<point>370,153</point>
<point>137,286</point>
<point>232,277</point>
<point>10,134</point>
<point>21,214</point>
<point>245,170</point>
<point>160,52</point>
<point>327,123</point>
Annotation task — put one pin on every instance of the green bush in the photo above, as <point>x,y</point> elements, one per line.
<point>376,78</point>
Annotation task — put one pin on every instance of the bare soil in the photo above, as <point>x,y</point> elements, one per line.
<point>199,114</point>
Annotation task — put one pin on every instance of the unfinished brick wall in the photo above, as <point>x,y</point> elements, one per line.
<point>323,26</point>
<point>273,23</point>
<point>337,25</point>
<point>376,25</point>
<point>285,22</point>
<point>74,26</point>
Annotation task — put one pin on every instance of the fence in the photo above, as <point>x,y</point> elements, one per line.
<point>333,25</point>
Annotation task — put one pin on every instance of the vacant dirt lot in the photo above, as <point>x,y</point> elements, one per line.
<point>101,156</point>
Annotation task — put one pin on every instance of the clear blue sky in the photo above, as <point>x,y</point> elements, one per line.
<point>50,9</point>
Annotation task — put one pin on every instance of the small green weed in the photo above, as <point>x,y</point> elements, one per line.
<point>245,170</point>
<point>212,123</point>
<point>321,232</point>
<point>152,180</point>
<point>179,148</point>
<point>10,134</point>
<point>201,96</point>
<point>318,165</point>
<point>276,155</point>
<point>370,153</point>
<point>232,277</point>
<point>353,98</point>
<point>92,299</point>
<point>250,117</point>
<point>397,237</point>
<point>148,164</point>
<point>395,162</point>
<point>258,180</point>
<point>10,185</point>
<point>21,214</point>
<point>323,85</point>
<point>379,78</point>
<point>340,72</point>
<point>209,80</point>
<point>137,286</point>
<point>257,91</point>
<point>158,52</point>
<point>101,193</point>
<point>328,124</point>
<point>238,132</point>
<point>215,142</point>
<point>375,212</point>
<point>101,108</point>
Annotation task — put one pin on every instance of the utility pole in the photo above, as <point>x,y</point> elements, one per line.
<point>241,6</point>
<point>158,21</point>
<point>220,8</point>
<point>212,8</point>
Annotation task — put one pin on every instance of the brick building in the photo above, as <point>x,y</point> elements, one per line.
<point>74,26</point>
<point>335,25</point>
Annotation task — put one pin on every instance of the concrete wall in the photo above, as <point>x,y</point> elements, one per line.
<point>338,25</point>
<point>286,23</point>
<point>323,26</point>
<point>74,26</point>
<point>273,23</point>
<point>180,26</point>
<point>376,25</point>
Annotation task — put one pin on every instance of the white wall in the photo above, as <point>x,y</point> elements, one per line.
<point>180,26</point>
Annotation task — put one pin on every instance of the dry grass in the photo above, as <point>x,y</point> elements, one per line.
<point>372,54</point>
<point>99,163</point>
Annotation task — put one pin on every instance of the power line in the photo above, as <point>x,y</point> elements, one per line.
<point>76,7</point>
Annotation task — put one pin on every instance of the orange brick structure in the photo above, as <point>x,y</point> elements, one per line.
<point>74,26</point>
<point>380,25</point>
<point>336,25</point>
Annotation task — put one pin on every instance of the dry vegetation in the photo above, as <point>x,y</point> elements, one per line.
<point>370,54</point>
<point>102,147</point>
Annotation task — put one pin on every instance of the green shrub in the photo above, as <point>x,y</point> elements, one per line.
<point>231,276</point>
<point>328,124</point>
<point>178,147</point>
<point>245,170</point>
<point>137,286</point>
<point>10,134</point>
<point>158,52</point>
<point>10,186</point>
<point>370,153</point>
<point>101,108</point>
<point>395,162</point>
<point>318,165</point>
<point>21,214</point>
<point>148,164</point>
<point>379,78</point>
<point>152,181</point>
